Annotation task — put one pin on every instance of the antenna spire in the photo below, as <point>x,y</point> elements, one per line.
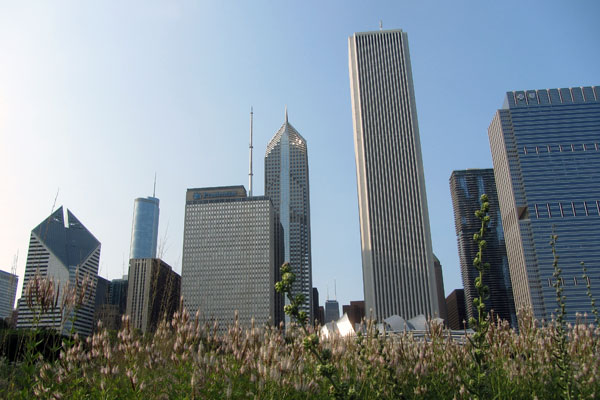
<point>154,190</point>
<point>286,117</point>
<point>380,25</point>
<point>250,174</point>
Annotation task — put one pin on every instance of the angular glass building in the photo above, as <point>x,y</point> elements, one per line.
<point>64,250</point>
<point>144,233</point>
<point>466,187</point>
<point>232,252</point>
<point>397,257</point>
<point>286,184</point>
<point>546,150</point>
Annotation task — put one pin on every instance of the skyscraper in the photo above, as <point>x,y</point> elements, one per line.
<point>397,257</point>
<point>286,184</point>
<point>545,148</point>
<point>332,310</point>
<point>144,233</point>
<point>232,247</point>
<point>153,293</point>
<point>439,287</point>
<point>466,187</point>
<point>67,252</point>
<point>8,291</point>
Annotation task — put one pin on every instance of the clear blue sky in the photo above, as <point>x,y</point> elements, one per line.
<point>97,96</point>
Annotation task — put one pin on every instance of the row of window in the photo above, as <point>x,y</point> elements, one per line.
<point>572,209</point>
<point>561,148</point>
<point>576,281</point>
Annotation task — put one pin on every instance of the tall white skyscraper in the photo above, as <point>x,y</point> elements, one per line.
<point>286,183</point>
<point>397,256</point>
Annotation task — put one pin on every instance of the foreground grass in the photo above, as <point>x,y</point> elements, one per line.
<point>186,359</point>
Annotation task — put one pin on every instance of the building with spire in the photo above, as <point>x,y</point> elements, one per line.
<point>287,185</point>
<point>64,250</point>
<point>397,256</point>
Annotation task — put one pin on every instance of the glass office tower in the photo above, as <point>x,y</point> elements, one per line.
<point>545,148</point>
<point>466,187</point>
<point>144,233</point>
<point>397,257</point>
<point>286,184</point>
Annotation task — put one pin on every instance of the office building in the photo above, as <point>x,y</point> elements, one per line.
<point>286,184</point>
<point>397,257</point>
<point>455,304</point>
<point>332,310</point>
<point>355,311</point>
<point>117,294</point>
<point>144,233</point>
<point>545,148</point>
<point>8,292</point>
<point>63,250</point>
<point>466,188</point>
<point>153,293</point>
<point>315,306</point>
<point>232,252</point>
<point>439,287</point>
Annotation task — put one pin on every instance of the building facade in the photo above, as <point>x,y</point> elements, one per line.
<point>466,188</point>
<point>153,293</point>
<point>63,250</point>
<point>286,184</point>
<point>232,252</point>
<point>332,310</point>
<point>457,315</point>
<point>144,232</point>
<point>545,149</point>
<point>439,287</point>
<point>8,292</point>
<point>397,257</point>
<point>355,311</point>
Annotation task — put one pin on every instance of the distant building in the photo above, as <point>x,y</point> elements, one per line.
<point>397,257</point>
<point>153,293</point>
<point>232,253</point>
<point>466,187</point>
<point>144,233</point>
<point>8,292</point>
<point>287,185</point>
<point>457,316</point>
<point>117,294</point>
<point>64,250</point>
<point>355,311</point>
<point>332,310</point>
<point>439,284</point>
<point>321,315</point>
<point>546,151</point>
<point>315,306</point>
<point>102,287</point>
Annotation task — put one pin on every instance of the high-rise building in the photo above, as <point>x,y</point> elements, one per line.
<point>466,188</point>
<point>117,293</point>
<point>439,287</point>
<point>286,184</point>
<point>455,304</point>
<point>315,306</point>
<point>144,233</point>
<point>355,311</point>
<point>64,250</point>
<point>397,257</point>
<point>232,252</point>
<point>153,294</point>
<point>8,291</point>
<point>332,310</point>
<point>545,148</point>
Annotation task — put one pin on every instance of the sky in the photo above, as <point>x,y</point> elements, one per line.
<point>97,97</point>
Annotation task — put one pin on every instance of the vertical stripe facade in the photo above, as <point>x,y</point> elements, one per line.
<point>396,246</point>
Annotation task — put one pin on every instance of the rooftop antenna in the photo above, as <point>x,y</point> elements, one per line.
<point>286,117</point>
<point>335,289</point>
<point>154,190</point>
<point>327,293</point>
<point>250,174</point>
<point>380,25</point>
